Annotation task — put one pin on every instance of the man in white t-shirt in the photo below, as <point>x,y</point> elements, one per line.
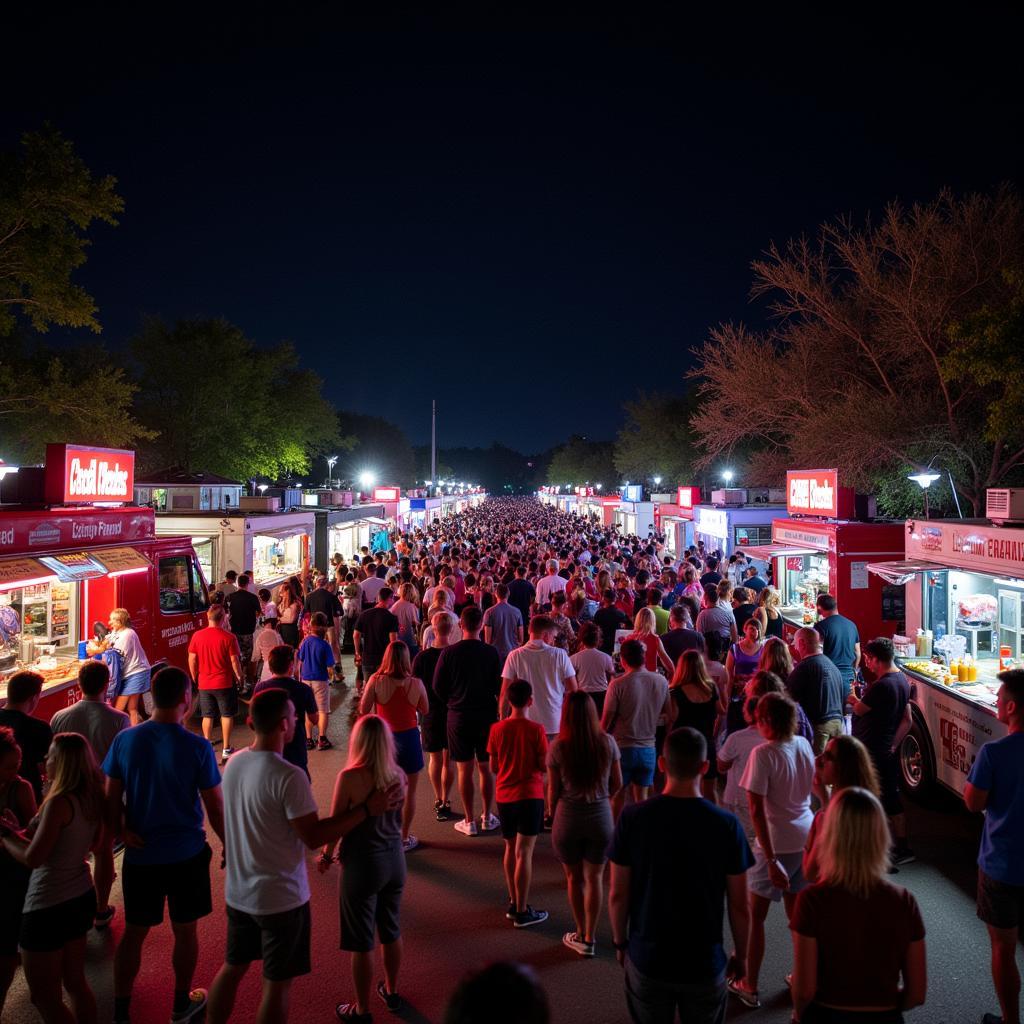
<point>548,584</point>
<point>270,820</point>
<point>547,669</point>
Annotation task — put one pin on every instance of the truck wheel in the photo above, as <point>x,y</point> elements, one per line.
<point>917,767</point>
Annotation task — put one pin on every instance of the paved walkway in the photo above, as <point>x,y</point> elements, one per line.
<point>453,920</point>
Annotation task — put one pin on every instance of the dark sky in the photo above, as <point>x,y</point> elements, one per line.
<point>527,221</point>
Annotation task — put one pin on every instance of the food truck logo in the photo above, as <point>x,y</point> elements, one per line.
<point>812,491</point>
<point>44,535</point>
<point>954,745</point>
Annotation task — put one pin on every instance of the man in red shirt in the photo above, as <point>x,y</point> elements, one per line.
<point>518,749</point>
<point>215,664</point>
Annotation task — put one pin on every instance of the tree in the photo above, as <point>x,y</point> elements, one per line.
<point>657,440</point>
<point>78,394</point>
<point>580,461</point>
<point>855,371</point>
<point>380,448</point>
<point>222,405</point>
<point>48,199</point>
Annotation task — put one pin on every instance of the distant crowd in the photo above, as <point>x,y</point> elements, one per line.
<point>686,753</point>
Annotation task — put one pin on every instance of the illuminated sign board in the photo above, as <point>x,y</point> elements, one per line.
<point>816,492</point>
<point>387,493</point>
<point>79,475</point>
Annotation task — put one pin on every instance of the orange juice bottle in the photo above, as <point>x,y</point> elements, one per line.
<point>972,672</point>
<point>962,671</point>
<point>954,670</point>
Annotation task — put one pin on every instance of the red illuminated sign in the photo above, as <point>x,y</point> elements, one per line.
<point>816,492</point>
<point>687,497</point>
<point>78,475</point>
<point>387,493</point>
<point>585,492</point>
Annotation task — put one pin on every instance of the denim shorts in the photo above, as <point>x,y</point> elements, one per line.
<point>638,766</point>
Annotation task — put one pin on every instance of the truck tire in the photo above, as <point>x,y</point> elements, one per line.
<point>917,762</point>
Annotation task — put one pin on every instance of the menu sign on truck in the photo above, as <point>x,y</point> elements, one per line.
<point>816,492</point>
<point>78,475</point>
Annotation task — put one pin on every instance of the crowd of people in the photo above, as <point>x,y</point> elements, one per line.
<point>644,708</point>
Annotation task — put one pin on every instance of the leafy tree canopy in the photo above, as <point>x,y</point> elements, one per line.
<point>580,461</point>
<point>48,199</point>
<point>380,447</point>
<point>48,395</point>
<point>861,368</point>
<point>222,405</point>
<point>657,440</point>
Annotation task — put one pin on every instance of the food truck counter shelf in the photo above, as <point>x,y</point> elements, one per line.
<point>56,672</point>
<point>981,693</point>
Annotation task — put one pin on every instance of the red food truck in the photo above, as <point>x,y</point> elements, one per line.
<point>822,548</point>
<point>71,549</point>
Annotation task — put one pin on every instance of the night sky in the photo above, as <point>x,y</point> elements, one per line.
<point>527,221</point>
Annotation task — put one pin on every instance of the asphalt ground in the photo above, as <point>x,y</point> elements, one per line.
<point>453,920</point>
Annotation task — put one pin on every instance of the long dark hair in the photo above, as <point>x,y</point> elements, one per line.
<point>584,750</point>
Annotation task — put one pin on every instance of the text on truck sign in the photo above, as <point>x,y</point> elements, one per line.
<point>80,475</point>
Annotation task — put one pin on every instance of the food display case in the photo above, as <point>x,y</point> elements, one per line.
<point>964,585</point>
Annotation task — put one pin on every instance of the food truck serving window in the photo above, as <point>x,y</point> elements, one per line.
<point>274,557</point>
<point>749,535</point>
<point>803,578</point>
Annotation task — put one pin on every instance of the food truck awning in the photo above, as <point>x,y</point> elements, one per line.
<point>375,521</point>
<point>775,550</point>
<point>121,561</point>
<point>898,573</point>
<point>20,572</point>
<point>74,566</point>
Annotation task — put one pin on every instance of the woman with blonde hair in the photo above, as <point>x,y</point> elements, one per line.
<point>645,630</point>
<point>767,613</point>
<point>373,867</point>
<point>776,657</point>
<point>395,694</point>
<point>60,905</point>
<point>697,703</point>
<point>844,762</point>
<point>135,668</point>
<point>858,940</point>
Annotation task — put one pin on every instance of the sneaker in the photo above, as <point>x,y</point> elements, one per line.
<point>467,828</point>
<point>224,755</point>
<point>409,844</point>
<point>529,916</point>
<point>348,1012</point>
<point>511,912</point>
<point>103,918</point>
<point>324,743</point>
<point>488,823</point>
<point>392,1000</point>
<point>903,855</point>
<point>310,743</point>
<point>195,1008</point>
<point>548,822</point>
<point>575,943</point>
<point>440,811</point>
<point>744,995</point>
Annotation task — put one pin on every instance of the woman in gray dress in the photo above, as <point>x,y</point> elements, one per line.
<point>373,867</point>
<point>584,773</point>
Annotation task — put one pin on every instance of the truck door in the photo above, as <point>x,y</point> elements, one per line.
<point>180,603</point>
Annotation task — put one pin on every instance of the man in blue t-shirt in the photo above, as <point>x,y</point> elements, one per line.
<point>159,777</point>
<point>995,785</point>
<point>677,860</point>
<point>840,641</point>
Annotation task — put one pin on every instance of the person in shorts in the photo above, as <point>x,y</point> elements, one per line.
<point>778,780</point>
<point>316,659</point>
<point>636,701</point>
<point>215,664</point>
<point>518,749</point>
<point>434,724</point>
<point>244,610</point>
<point>467,680</point>
<point>270,821</point>
<point>994,786</point>
<point>157,773</point>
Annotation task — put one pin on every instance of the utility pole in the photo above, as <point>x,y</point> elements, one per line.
<point>433,443</point>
